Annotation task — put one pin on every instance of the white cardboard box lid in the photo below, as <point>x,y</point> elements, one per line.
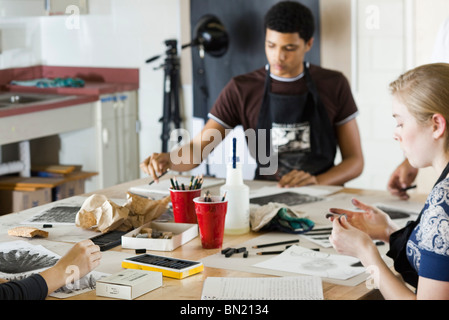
<point>183,233</point>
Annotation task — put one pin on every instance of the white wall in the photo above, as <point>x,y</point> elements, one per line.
<point>115,33</point>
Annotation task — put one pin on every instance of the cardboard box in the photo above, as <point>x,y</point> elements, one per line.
<point>16,200</point>
<point>68,189</point>
<point>128,284</point>
<point>182,233</point>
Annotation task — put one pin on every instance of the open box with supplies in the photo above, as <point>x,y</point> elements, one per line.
<point>160,236</point>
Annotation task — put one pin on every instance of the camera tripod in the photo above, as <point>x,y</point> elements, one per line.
<point>171,116</point>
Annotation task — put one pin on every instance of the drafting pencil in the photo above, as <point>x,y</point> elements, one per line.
<point>224,196</point>
<point>195,183</point>
<point>176,183</point>
<point>158,177</point>
<point>269,252</point>
<point>409,187</point>
<point>172,183</point>
<point>191,181</point>
<point>275,243</point>
<point>200,182</point>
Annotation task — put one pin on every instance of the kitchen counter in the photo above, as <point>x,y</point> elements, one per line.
<point>98,81</point>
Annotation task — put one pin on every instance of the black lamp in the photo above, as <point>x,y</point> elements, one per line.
<point>211,36</point>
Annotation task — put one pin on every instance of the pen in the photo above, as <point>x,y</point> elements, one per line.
<point>275,243</point>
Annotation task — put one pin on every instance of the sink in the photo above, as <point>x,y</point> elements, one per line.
<point>11,99</point>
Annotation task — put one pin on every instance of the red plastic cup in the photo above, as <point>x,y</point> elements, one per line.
<point>183,206</point>
<point>211,221</point>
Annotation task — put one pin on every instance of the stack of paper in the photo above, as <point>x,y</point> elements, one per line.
<point>279,288</point>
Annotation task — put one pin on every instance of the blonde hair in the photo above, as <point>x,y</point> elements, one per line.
<point>424,91</point>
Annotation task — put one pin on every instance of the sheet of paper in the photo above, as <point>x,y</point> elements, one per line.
<point>277,288</point>
<point>163,186</point>
<point>316,191</point>
<point>309,262</point>
<point>320,239</point>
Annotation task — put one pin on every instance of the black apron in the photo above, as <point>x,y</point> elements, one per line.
<point>296,129</point>
<point>398,245</point>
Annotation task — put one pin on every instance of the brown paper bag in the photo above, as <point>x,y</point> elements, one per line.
<point>143,210</point>
<point>100,214</point>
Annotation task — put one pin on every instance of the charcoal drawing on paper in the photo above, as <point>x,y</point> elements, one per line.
<point>287,198</point>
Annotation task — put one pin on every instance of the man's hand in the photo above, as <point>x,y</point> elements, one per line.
<point>297,178</point>
<point>156,164</point>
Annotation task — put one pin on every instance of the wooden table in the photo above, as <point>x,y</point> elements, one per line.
<point>190,288</point>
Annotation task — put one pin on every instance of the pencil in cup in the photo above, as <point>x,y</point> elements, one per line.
<point>182,202</point>
<point>196,183</point>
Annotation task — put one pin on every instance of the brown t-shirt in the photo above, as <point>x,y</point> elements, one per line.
<point>240,101</point>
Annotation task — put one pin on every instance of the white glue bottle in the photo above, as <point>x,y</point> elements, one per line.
<point>237,194</point>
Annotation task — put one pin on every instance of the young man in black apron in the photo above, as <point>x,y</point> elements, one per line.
<point>300,113</point>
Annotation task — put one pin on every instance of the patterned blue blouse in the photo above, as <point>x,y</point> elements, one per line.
<point>428,245</point>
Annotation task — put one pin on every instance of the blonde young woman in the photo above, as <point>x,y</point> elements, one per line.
<point>420,250</point>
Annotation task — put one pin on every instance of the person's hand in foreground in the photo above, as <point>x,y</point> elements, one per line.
<point>82,258</point>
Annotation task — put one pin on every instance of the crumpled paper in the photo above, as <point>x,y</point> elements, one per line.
<point>279,216</point>
<point>143,210</point>
<point>98,213</point>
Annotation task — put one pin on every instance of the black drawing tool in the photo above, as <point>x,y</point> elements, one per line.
<point>207,197</point>
<point>357,264</point>
<point>225,250</point>
<point>409,187</point>
<point>321,229</point>
<point>318,233</point>
<point>176,183</point>
<point>336,215</point>
<point>230,252</point>
<point>275,243</point>
<point>195,183</point>
<point>172,184</point>
<point>108,240</point>
<point>263,253</point>
<point>224,197</point>
<point>191,183</point>
<point>163,174</point>
<point>200,182</point>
